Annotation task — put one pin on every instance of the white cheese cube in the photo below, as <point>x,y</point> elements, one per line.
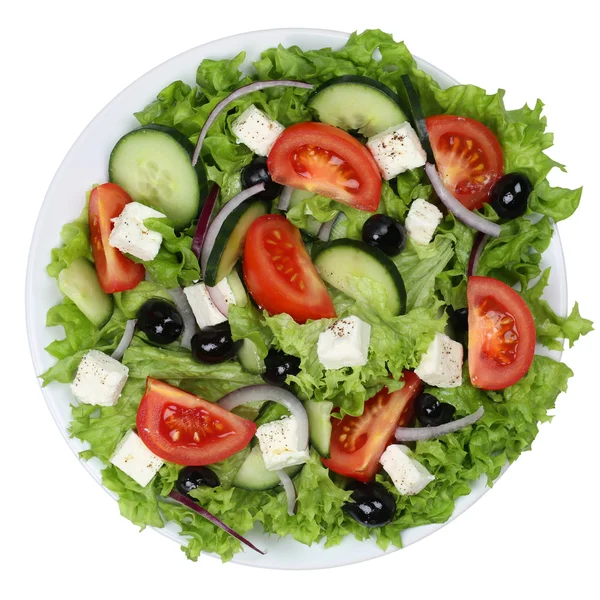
<point>278,441</point>
<point>134,458</point>
<point>396,150</point>
<point>226,291</point>
<point>254,129</point>
<point>422,221</point>
<point>99,379</point>
<point>442,364</point>
<point>344,344</point>
<point>204,310</point>
<point>131,236</point>
<point>408,474</point>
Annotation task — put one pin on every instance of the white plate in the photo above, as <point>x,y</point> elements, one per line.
<point>86,163</point>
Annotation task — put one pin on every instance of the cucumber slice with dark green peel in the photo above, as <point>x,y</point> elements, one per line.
<point>409,97</point>
<point>345,264</point>
<point>250,358</point>
<point>255,477</point>
<point>80,284</point>
<point>357,103</point>
<point>229,243</point>
<point>153,165</point>
<point>238,289</point>
<point>319,421</point>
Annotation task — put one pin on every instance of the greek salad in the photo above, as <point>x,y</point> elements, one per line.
<point>309,298</point>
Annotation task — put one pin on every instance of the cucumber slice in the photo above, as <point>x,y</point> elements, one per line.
<point>249,358</point>
<point>229,244</point>
<point>153,165</point>
<point>354,102</point>
<point>319,421</point>
<point>255,477</point>
<point>79,282</point>
<point>238,289</point>
<point>345,263</point>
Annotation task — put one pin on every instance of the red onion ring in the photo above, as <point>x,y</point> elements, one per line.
<point>259,393</point>
<point>290,491</point>
<point>217,222</point>
<point>324,232</point>
<point>189,321</point>
<point>418,434</point>
<point>478,246</point>
<point>204,220</point>
<point>246,89</point>
<point>286,196</point>
<point>462,213</point>
<point>189,503</point>
<point>218,300</point>
<point>125,340</point>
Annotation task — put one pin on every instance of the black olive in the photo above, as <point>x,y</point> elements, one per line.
<point>214,344</point>
<point>431,412</point>
<point>384,233</point>
<point>258,172</point>
<point>160,321</point>
<point>372,505</point>
<point>279,365</point>
<point>510,194</point>
<point>191,478</point>
<point>459,319</point>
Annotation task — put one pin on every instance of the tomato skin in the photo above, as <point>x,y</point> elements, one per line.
<point>326,160</point>
<point>357,455</point>
<point>168,419</point>
<point>501,334</point>
<point>280,275</point>
<point>468,156</point>
<point>116,272</point>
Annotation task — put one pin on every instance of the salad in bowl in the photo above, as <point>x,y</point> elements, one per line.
<point>308,296</point>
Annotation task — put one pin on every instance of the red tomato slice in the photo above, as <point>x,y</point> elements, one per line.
<point>501,334</point>
<point>186,430</point>
<point>279,273</point>
<point>468,156</point>
<point>357,443</point>
<point>325,160</point>
<point>116,272</point>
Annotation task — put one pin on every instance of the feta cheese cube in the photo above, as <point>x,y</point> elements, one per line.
<point>134,458</point>
<point>131,236</point>
<point>204,310</point>
<point>408,474</point>
<point>422,221</point>
<point>345,343</point>
<point>99,379</point>
<point>254,129</point>
<point>396,150</point>
<point>225,289</point>
<point>442,364</point>
<point>278,441</point>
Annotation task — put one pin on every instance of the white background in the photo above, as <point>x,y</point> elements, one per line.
<point>535,534</point>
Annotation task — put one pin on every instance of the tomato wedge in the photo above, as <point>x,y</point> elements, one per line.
<point>116,272</point>
<point>468,156</point>
<point>186,430</point>
<point>501,334</point>
<point>279,273</point>
<point>357,443</point>
<point>326,160</point>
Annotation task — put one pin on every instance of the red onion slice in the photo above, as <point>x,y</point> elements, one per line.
<point>260,393</point>
<point>189,503</point>
<point>285,197</point>
<point>204,220</point>
<point>243,91</point>
<point>125,340</point>
<point>290,491</point>
<point>325,230</point>
<point>418,434</point>
<point>478,246</point>
<point>218,300</point>
<point>189,321</point>
<point>462,213</point>
<point>217,222</point>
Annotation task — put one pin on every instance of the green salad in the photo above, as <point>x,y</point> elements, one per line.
<point>308,298</point>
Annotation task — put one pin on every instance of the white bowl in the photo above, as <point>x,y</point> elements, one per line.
<point>86,164</point>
